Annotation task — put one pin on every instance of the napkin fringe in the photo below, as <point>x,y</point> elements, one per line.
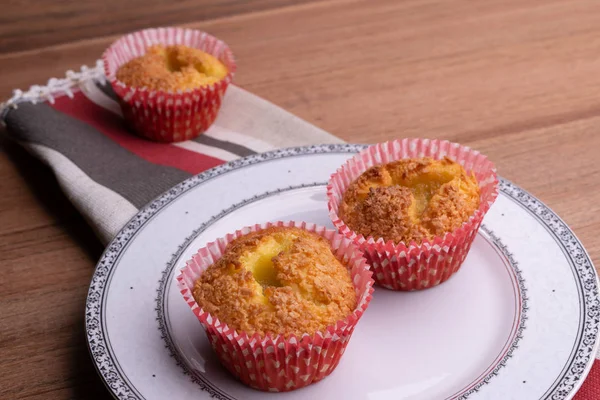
<point>55,87</point>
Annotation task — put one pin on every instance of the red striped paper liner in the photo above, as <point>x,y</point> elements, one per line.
<point>276,363</point>
<point>168,116</point>
<point>412,266</point>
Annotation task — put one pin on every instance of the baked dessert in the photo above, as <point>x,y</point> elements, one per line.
<point>410,200</point>
<point>280,280</point>
<point>172,68</point>
<point>174,90</point>
<point>278,301</point>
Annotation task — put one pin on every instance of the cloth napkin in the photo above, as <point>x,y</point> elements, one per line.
<point>75,126</point>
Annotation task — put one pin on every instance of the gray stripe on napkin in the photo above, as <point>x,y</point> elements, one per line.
<point>107,89</point>
<point>103,160</point>
<point>224,145</point>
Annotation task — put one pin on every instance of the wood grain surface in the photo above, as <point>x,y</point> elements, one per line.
<point>516,79</point>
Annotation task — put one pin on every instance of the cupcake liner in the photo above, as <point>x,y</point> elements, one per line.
<point>276,363</point>
<point>414,266</point>
<point>168,116</point>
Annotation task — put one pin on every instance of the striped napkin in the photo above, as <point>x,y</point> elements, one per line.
<point>75,126</point>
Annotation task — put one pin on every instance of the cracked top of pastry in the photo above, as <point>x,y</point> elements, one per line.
<point>410,200</point>
<point>278,280</point>
<point>172,68</point>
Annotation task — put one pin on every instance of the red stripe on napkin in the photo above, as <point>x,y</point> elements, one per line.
<point>112,126</point>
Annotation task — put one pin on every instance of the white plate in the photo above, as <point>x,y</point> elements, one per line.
<point>518,321</point>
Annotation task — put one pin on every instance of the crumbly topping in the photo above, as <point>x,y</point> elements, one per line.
<point>172,68</point>
<point>278,280</point>
<point>410,200</point>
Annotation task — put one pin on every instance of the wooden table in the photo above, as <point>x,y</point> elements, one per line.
<point>518,80</point>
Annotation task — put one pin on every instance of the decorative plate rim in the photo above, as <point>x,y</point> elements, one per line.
<point>583,268</point>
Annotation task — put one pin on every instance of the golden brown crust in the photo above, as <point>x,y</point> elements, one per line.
<point>410,199</point>
<point>172,68</point>
<point>278,280</point>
